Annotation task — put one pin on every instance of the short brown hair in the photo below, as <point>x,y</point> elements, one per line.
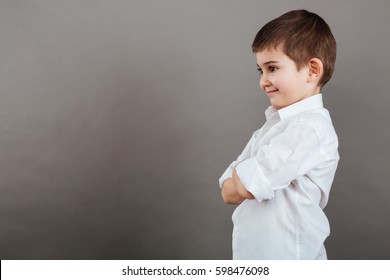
<point>303,35</point>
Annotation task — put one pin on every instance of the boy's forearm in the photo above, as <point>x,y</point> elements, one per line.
<point>229,193</point>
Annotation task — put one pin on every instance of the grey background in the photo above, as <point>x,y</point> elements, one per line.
<point>118,117</point>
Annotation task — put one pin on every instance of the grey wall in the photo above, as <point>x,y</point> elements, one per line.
<point>118,117</point>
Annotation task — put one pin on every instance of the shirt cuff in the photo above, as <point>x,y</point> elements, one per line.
<point>254,180</point>
<point>227,174</point>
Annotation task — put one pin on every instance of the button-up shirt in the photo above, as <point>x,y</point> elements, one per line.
<point>288,165</point>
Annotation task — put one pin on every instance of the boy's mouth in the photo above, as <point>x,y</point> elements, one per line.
<point>271,92</point>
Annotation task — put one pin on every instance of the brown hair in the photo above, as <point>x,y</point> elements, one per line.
<point>303,35</point>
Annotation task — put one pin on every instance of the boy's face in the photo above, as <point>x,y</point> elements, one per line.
<point>280,79</point>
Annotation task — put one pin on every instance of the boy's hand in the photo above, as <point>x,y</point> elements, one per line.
<point>229,193</point>
<point>241,190</point>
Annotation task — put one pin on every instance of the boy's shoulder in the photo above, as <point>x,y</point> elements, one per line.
<point>320,120</point>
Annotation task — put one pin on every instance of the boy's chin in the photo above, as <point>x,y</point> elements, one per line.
<point>277,105</point>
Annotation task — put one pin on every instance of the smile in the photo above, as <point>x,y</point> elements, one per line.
<point>271,92</point>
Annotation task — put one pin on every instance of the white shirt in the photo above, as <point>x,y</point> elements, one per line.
<point>289,166</point>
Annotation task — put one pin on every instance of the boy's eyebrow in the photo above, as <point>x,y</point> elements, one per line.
<point>268,62</point>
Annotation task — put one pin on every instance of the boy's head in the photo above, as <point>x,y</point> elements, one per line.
<point>302,35</point>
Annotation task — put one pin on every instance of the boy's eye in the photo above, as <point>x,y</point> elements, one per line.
<point>269,69</point>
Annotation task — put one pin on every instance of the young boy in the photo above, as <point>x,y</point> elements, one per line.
<point>282,179</point>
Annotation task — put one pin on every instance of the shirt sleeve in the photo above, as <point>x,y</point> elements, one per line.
<point>244,155</point>
<point>287,156</point>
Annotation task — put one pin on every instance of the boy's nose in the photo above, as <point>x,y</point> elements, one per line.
<point>264,82</point>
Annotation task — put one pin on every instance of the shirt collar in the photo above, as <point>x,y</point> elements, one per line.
<point>310,103</point>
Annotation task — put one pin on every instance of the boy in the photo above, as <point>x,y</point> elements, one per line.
<point>282,179</point>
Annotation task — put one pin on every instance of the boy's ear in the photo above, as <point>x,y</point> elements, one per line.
<point>316,69</point>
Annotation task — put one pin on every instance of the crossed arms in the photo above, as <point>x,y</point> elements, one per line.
<point>233,192</point>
